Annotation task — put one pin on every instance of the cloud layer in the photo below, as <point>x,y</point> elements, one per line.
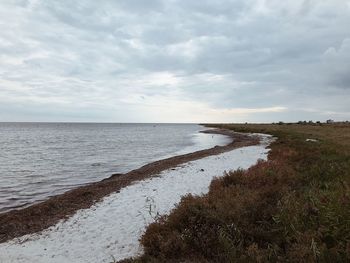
<point>174,60</point>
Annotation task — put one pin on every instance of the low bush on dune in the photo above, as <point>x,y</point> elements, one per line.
<point>295,207</point>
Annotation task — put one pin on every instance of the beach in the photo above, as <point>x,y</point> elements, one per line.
<point>45,214</point>
<point>110,229</point>
<point>42,160</point>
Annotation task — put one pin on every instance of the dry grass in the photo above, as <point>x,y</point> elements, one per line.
<point>338,133</point>
<point>293,208</point>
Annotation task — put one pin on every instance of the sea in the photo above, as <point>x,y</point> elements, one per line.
<point>40,160</point>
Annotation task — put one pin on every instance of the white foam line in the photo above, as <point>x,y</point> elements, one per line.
<point>112,228</point>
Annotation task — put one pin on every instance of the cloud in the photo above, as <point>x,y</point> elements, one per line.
<point>336,62</point>
<point>174,60</point>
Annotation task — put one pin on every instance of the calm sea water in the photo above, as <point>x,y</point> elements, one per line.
<point>39,160</point>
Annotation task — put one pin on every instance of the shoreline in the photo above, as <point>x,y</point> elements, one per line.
<point>38,217</point>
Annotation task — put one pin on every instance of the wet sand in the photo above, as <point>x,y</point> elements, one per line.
<point>40,216</point>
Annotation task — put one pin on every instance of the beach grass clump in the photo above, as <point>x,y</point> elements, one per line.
<point>295,207</point>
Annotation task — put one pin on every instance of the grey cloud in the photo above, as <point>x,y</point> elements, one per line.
<point>224,54</point>
<point>140,5</point>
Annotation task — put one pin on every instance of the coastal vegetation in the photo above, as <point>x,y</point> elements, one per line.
<point>294,207</point>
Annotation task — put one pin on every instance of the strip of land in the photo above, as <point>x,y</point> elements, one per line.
<point>111,229</point>
<point>40,216</point>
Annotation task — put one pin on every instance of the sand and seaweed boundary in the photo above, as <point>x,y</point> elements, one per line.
<point>40,216</point>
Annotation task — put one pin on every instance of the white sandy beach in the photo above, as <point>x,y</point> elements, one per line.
<point>110,230</point>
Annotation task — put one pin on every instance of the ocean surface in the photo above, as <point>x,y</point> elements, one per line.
<point>39,160</point>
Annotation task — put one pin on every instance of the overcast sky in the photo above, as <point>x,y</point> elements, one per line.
<point>174,60</point>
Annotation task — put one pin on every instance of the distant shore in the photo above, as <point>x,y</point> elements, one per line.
<point>40,216</point>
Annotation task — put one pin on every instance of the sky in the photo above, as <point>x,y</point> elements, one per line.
<point>174,60</point>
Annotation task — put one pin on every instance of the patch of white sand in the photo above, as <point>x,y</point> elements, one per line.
<point>111,229</point>
<point>311,140</point>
